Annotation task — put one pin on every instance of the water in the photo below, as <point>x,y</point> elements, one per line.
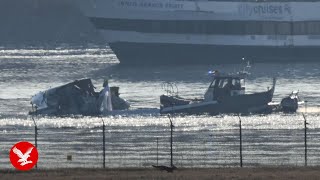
<point>200,141</point>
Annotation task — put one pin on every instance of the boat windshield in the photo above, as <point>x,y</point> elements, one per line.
<point>231,82</point>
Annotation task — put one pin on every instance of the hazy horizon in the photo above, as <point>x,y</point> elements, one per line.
<point>39,22</point>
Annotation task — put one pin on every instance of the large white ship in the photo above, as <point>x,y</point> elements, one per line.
<point>211,31</point>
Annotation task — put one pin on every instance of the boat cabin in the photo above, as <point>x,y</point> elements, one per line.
<point>225,85</point>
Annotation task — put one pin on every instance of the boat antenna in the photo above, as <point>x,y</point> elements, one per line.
<point>246,68</point>
<point>170,88</point>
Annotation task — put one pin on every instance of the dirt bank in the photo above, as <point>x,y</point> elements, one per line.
<point>215,173</point>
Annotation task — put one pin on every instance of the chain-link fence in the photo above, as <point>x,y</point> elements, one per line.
<point>199,145</point>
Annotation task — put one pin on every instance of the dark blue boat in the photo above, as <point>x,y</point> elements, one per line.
<point>226,94</point>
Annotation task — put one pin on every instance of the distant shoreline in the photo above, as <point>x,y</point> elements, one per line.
<point>184,173</point>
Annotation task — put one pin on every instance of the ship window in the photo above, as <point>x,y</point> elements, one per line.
<point>268,28</point>
<point>313,28</point>
<point>253,28</point>
<point>156,26</point>
<point>284,28</point>
<point>210,26</point>
<point>299,28</point>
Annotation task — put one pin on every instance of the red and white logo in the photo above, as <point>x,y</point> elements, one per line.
<point>24,156</point>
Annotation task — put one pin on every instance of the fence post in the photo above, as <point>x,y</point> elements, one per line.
<point>104,143</point>
<point>157,151</point>
<point>35,136</point>
<point>240,133</point>
<point>171,141</point>
<point>305,141</point>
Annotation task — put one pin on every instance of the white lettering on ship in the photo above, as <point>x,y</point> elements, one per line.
<point>265,9</point>
<point>159,5</point>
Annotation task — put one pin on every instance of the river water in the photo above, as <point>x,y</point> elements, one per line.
<point>131,137</point>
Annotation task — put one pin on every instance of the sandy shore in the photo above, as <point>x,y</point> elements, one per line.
<point>213,173</point>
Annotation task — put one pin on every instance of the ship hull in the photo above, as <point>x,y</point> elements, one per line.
<point>162,53</point>
<point>174,32</point>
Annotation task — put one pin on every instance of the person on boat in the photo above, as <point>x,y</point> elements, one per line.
<point>104,100</point>
<point>228,87</point>
<point>237,85</point>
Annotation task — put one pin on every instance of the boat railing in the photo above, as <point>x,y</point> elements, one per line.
<point>170,88</point>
